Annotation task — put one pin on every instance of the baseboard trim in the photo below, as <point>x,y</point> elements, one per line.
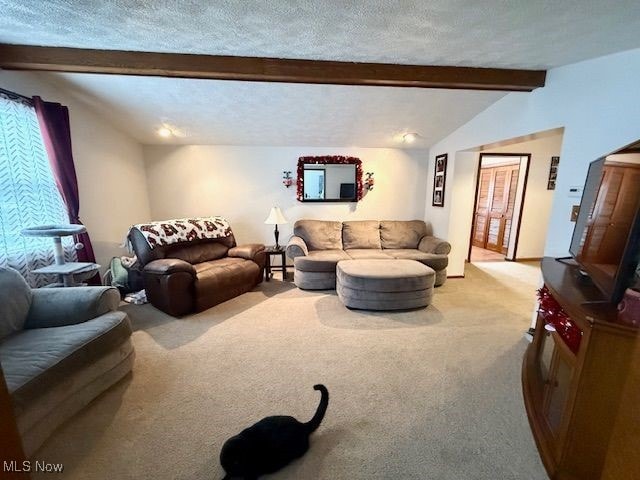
<point>455,276</point>
<point>529,259</point>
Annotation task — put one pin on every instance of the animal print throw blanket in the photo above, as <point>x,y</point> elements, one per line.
<point>167,232</point>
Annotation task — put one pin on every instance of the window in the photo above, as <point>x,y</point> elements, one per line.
<point>28,193</point>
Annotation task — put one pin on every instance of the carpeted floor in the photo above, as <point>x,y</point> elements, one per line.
<point>427,394</point>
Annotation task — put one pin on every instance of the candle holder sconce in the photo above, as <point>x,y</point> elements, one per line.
<point>369,181</point>
<point>287,180</point>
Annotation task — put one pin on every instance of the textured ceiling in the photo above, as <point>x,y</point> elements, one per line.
<point>277,114</point>
<point>491,33</point>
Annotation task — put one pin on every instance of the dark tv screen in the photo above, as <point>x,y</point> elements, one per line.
<point>348,190</point>
<point>589,193</point>
<point>606,236</point>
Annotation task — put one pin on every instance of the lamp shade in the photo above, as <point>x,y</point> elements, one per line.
<point>275,217</point>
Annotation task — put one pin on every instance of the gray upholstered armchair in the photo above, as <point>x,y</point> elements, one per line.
<point>59,349</point>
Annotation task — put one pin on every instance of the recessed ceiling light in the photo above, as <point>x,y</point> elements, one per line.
<point>409,137</point>
<point>165,132</point>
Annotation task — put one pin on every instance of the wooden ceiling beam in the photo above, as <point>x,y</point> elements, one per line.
<point>256,69</point>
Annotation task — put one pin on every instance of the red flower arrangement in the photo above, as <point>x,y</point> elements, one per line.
<point>553,314</point>
<point>332,160</point>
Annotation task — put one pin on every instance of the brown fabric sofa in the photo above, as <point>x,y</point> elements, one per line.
<point>317,246</point>
<point>192,276</point>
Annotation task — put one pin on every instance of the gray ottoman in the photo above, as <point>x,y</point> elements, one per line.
<point>384,284</point>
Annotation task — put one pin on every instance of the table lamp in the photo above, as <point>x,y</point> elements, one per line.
<point>276,218</point>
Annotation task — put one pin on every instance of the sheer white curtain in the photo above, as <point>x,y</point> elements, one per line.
<point>28,194</point>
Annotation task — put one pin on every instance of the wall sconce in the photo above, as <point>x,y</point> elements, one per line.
<point>287,180</point>
<point>369,181</point>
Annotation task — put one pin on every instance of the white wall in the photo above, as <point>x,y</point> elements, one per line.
<point>109,167</point>
<point>243,183</point>
<point>598,104</point>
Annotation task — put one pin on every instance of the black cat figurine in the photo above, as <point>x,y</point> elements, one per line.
<point>270,444</point>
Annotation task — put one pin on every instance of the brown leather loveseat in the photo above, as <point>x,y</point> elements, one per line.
<point>190,265</point>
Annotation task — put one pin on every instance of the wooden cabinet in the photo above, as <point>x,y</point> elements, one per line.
<point>11,453</point>
<point>558,382</point>
<point>572,395</point>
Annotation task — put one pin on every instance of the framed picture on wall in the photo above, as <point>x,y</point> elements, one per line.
<point>553,173</point>
<point>439,180</point>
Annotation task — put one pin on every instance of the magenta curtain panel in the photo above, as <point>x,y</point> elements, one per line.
<point>56,135</point>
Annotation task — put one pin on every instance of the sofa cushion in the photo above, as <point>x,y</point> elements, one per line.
<point>363,253</point>
<point>320,261</point>
<point>402,234</point>
<point>58,307</point>
<point>15,301</point>
<point>220,280</point>
<point>319,234</point>
<point>385,275</point>
<point>36,360</point>
<point>208,249</point>
<point>215,264</point>
<point>433,260</point>
<point>248,251</point>
<point>197,251</point>
<point>361,234</point>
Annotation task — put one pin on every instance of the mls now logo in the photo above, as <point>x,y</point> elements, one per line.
<point>28,466</point>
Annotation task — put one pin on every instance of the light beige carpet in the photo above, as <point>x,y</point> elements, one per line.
<point>427,394</point>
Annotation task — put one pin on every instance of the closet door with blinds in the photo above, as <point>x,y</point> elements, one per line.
<point>495,207</point>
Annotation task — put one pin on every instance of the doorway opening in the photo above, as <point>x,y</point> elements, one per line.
<point>499,200</point>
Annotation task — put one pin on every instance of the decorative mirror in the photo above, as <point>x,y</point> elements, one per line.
<point>329,179</point>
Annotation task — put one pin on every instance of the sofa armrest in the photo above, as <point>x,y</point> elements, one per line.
<point>169,284</point>
<point>297,247</point>
<point>167,266</point>
<point>56,307</point>
<point>248,251</point>
<point>431,244</point>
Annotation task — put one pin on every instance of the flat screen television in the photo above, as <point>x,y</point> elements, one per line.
<point>347,190</point>
<point>606,237</point>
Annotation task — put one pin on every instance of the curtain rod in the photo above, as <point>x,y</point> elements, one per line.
<point>14,94</point>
